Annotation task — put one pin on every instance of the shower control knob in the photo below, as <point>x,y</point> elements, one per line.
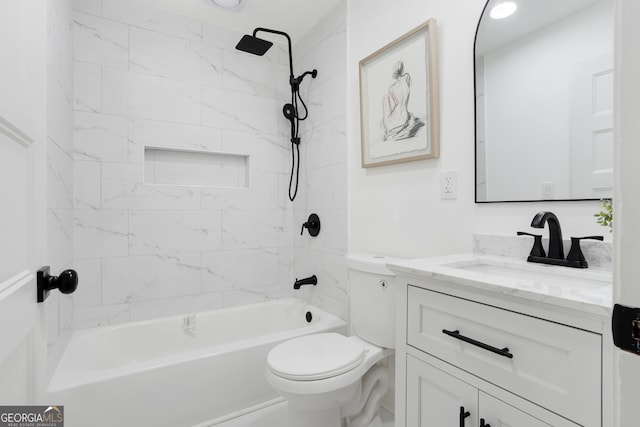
<point>66,282</point>
<point>312,224</point>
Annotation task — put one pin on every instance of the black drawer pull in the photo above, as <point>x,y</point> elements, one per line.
<point>502,352</point>
<point>463,415</point>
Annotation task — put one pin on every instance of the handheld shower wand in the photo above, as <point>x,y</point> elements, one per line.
<point>258,46</point>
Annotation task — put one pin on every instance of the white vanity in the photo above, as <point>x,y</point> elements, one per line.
<point>494,341</point>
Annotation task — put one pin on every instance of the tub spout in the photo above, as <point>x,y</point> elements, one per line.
<point>312,280</point>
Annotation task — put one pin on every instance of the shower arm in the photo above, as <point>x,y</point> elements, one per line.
<point>282,33</point>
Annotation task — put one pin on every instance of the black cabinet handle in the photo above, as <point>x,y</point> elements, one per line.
<point>482,424</point>
<point>463,414</point>
<point>501,351</point>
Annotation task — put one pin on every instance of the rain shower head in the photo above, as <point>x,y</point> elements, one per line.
<point>254,45</point>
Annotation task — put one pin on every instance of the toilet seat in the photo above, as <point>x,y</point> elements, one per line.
<point>316,357</point>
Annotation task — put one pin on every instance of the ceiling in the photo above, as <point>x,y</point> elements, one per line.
<point>294,17</point>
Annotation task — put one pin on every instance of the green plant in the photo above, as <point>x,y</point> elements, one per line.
<point>605,216</point>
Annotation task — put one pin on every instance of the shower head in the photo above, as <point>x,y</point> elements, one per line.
<point>254,45</point>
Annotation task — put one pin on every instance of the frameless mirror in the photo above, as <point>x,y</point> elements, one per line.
<point>544,100</point>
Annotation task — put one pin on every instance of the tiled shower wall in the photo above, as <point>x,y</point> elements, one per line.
<point>59,237</point>
<point>145,77</point>
<point>323,188</point>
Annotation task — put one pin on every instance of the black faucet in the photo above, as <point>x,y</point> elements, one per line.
<point>556,251</point>
<point>311,280</point>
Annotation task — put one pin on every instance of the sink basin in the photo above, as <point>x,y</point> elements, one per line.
<point>550,275</point>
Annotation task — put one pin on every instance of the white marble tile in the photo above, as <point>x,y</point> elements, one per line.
<point>87,87</point>
<point>89,292</point>
<point>329,57</point>
<point>334,22</point>
<point>269,153</point>
<point>175,58</point>
<point>100,41</point>
<point>332,237</point>
<point>59,45</point>
<point>151,309</point>
<point>239,269</point>
<point>59,177</point>
<point>252,295</point>
<point>59,114</point>
<point>100,137</point>
<point>101,316</point>
<point>161,232</point>
<point>286,265</point>
<point>220,37</point>
<point>334,278</point>
<point>93,7</point>
<point>254,75</point>
<point>138,95</point>
<point>331,305</point>
<point>326,145</point>
<point>122,188</point>
<point>325,187</point>
<point>140,278</point>
<point>151,18</point>
<point>256,229</point>
<point>262,193</point>
<point>100,233</point>
<point>86,185</point>
<point>334,100</point>
<point>240,111</point>
<point>307,44</point>
<point>60,238</point>
<point>170,135</point>
<point>206,169</point>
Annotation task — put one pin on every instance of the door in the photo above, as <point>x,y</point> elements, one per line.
<point>626,230</point>
<point>592,129</point>
<point>496,413</point>
<point>22,126</point>
<point>435,398</point>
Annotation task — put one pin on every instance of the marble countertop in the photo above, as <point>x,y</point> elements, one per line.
<point>586,290</point>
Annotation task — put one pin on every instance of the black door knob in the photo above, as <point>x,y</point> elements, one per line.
<point>66,282</point>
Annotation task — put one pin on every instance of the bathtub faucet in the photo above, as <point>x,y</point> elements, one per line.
<point>312,280</point>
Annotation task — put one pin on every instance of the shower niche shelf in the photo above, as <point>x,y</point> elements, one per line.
<point>171,166</point>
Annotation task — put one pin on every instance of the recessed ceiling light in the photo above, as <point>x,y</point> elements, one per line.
<point>503,10</point>
<point>228,4</point>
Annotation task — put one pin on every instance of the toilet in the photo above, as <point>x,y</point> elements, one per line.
<point>330,380</point>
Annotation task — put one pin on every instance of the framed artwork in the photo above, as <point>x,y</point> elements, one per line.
<point>399,117</point>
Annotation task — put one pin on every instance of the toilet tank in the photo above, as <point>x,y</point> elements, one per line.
<point>372,299</point>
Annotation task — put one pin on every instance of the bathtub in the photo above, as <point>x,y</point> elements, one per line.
<point>196,369</point>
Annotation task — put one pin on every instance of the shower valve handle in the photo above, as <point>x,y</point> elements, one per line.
<point>312,224</point>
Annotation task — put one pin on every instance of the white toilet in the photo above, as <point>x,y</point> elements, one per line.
<point>330,380</point>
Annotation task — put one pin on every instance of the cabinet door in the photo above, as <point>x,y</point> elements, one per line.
<point>435,398</point>
<point>496,413</point>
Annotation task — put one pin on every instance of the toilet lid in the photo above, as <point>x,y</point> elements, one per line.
<point>315,357</point>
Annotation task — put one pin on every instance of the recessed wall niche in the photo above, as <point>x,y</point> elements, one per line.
<point>168,166</point>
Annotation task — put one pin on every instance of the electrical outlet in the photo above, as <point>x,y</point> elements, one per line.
<point>449,184</point>
<point>548,190</point>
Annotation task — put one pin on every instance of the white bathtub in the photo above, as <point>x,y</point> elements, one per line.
<point>198,369</point>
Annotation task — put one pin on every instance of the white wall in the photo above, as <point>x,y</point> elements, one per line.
<point>323,170</point>
<point>397,210</point>
<point>143,76</point>
<point>59,149</point>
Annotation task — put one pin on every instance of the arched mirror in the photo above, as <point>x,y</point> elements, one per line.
<point>544,100</point>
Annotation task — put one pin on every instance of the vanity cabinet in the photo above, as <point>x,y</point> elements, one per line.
<point>503,365</point>
<point>436,398</point>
